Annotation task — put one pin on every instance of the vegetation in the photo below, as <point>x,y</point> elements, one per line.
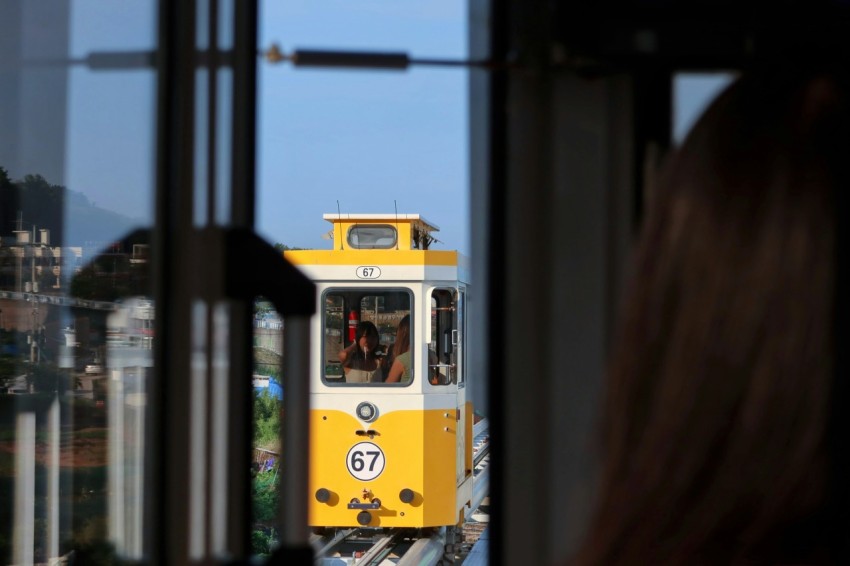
<point>267,413</point>
<point>46,205</point>
<point>266,500</point>
<point>262,542</point>
<point>111,275</point>
<point>40,202</point>
<point>283,247</point>
<point>265,490</point>
<point>266,421</point>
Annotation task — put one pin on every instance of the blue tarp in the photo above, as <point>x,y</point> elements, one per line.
<point>274,389</point>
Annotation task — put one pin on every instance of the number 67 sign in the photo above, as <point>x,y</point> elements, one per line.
<point>369,272</point>
<point>365,461</point>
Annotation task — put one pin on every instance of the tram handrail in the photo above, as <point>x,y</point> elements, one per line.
<point>480,428</point>
<point>424,552</point>
<point>378,549</point>
<point>479,555</point>
<point>480,488</point>
<point>326,545</point>
<point>480,454</point>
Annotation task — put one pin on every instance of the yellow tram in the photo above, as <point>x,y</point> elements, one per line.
<point>391,426</point>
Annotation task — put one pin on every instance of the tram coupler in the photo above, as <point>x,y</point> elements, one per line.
<point>355,504</point>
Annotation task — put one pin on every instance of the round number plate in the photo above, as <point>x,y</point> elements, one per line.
<point>365,461</point>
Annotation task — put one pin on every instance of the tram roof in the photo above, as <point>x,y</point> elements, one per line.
<point>381,231</point>
<point>389,247</point>
<point>417,218</point>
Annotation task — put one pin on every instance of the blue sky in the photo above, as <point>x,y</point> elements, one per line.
<point>691,94</point>
<point>363,138</point>
<point>110,141</point>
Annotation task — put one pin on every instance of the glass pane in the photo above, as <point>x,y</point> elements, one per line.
<point>334,321</point>
<point>444,337</point>
<point>377,335</point>
<point>76,312</point>
<point>363,236</point>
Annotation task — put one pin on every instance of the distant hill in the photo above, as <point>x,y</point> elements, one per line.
<point>86,224</point>
<point>69,215</point>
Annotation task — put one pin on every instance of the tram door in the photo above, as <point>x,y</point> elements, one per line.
<point>464,424</point>
<point>447,306</point>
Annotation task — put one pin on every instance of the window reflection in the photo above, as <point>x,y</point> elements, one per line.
<point>76,315</point>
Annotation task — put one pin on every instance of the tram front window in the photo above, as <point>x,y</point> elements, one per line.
<point>366,333</point>
<point>376,236</point>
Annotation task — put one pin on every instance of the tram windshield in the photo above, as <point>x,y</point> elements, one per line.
<point>368,337</point>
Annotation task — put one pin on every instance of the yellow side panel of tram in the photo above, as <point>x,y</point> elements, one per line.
<point>374,257</point>
<point>419,448</point>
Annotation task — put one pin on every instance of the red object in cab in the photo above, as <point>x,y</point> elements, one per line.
<point>353,320</point>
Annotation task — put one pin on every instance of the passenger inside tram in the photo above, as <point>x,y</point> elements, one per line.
<point>362,360</point>
<point>400,371</point>
<point>722,434</point>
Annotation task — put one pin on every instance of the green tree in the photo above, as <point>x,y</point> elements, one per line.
<point>266,494</point>
<point>42,204</point>
<point>265,498</point>
<point>284,248</point>
<point>9,202</point>
<point>5,181</point>
<point>265,491</point>
<point>266,420</point>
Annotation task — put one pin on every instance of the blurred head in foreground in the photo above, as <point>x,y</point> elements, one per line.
<point>721,442</point>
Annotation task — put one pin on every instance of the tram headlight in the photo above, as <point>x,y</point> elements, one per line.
<point>367,412</point>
